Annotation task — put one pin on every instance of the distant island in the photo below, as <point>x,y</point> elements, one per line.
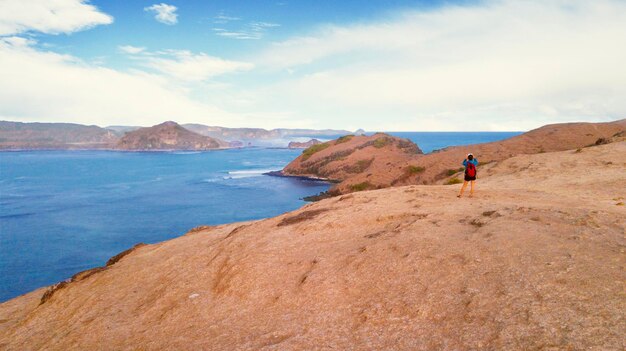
<point>166,136</point>
<point>303,145</point>
<point>244,134</point>
<point>18,135</point>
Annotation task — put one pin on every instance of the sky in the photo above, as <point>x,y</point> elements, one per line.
<point>394,65</point>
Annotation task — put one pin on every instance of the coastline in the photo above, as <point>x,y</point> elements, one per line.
<point>119,150</point>
<point>280,174</point>
<point>312,198</point>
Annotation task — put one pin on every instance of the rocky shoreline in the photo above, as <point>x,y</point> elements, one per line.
<point>281,174</point>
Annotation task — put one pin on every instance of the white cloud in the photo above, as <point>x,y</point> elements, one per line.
<point>262,25</point>
<point>164,13</point>
<point>224,19</point>
<point>250,31</point>
<point>241,35</point>
<point>18,41</point>
<point>498,64</point>
<point>187,66</point>
<point>51,17</point>
<point>46,86</point>
<point>495,64</point>
<point>129,49</point>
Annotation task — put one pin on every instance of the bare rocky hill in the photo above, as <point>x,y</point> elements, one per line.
<point>374,162</point>
<point>167,136</point>
<point>18,135</point>
<point>303,145</point>
<point>533,262</point>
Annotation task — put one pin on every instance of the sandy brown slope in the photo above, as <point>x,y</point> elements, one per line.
<point>534,262</point>
<point>392,166</point>
<point>167,136</point>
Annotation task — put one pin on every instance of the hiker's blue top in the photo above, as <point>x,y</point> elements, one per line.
<point>474,161</point>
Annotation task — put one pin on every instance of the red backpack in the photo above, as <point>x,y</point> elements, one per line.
<point>470,170</point>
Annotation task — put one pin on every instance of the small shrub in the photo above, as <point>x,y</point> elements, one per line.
<point>344,139</point>
<point>313,168</point>
<point>415,169</point>
<point>453,181</point>
<point>321,196</point>
<point>381,142</point>
<point>340,155</point>
<point>361,186</point>
<point>359,166</point>
<point>452,172</point>
<point>404,143</point>
<point>313,149</point>
<point>302,216</point>
<point>578,151</point>
<point>409,146</point>
<point>365,163</point>
<point>601,141</point>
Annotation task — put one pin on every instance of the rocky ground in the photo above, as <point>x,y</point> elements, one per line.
<point>535,261</point>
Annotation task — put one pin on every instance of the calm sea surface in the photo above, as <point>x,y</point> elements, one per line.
<point>429,141</point>
<point>66,211</point>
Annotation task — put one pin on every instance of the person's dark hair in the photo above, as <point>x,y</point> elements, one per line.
<point>470,157</point>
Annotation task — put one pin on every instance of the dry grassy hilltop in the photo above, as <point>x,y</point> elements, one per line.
<point>535,261</point>
<point>380,161</point>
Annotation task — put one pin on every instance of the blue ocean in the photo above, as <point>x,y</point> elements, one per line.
<point>62,212</point>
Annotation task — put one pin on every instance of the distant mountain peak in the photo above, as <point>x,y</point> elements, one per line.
<point>168,124</point>
<point>168,135</point>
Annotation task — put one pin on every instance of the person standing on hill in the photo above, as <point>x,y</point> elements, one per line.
<point>470,164</point>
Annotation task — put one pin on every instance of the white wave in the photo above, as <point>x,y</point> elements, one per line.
<point>248,173</point>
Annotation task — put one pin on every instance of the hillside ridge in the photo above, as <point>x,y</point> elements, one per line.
<point>373,162</point>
